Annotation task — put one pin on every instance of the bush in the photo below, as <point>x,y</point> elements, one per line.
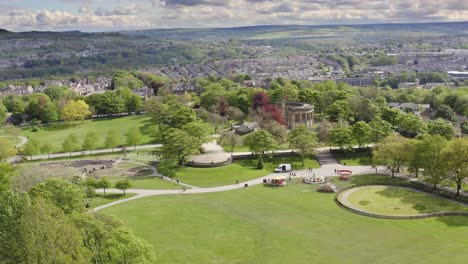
<point>260,163</point>
<point>35,129</point>
<point>167,168</point>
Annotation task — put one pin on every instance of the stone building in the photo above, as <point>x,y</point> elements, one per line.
<point>298,114</point>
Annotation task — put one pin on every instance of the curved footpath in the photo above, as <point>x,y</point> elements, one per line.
<point>24,140</point>
<point>326,170</point>
<point>342,199</point>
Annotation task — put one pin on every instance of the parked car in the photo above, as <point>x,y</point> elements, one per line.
<point>283,168</point>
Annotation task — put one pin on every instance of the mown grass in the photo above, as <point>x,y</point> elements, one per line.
<point>294,224</point>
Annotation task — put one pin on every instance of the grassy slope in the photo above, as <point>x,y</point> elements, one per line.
<point>354,159</point>
<point>243,170</point>
<point>396,201</point>
<point>294,224</point>
<point>108,198</point>
<point>56,133</point>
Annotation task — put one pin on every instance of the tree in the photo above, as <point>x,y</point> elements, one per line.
<point>132,101</point>
<point>123,185</point>
<point>277,130</point>
<point>3,113</point>
<point>442,128</point>
<point>392,153</point>
<point>456,158</point>
<point>216,120</point>
<point>18,111</point>
<point>302,139</point>
<point>48,236</point>
<point>158,111</point>
<point>433,163</point>
<point>75,111</point>
<point>260,141</point>
<point>7,149</point>
<point>231,139</point>
<point>112,139</point>
<point>341,136</point>
<point>390,115</point>
<point>49,114</point>
<point>362,133</point>
<point>90,141</point>
<point>410,125</point>
<point>134,137</point>
<point>70,143</point>
<point>104,183</point>
<point>416,149</point>
<point>445,112</point>
<point>178,144</point>
<point>6,171</point>
<point>46,147</point>
<point>380,129</point>
<point>31,147</point>
<point>124,247</point>
<point>198,130</point>
<point>62,194</point>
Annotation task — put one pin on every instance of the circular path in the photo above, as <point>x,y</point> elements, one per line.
<point>342,199</point>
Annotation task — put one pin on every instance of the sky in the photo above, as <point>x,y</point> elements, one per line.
<point>113,15</point>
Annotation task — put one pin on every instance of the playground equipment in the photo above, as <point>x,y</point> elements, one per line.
<point>327,188</point>
<point>344,174</point>
<point>278,181</point>
<point>314,179</point>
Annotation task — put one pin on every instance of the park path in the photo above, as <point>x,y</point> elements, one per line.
<point>326,170</point>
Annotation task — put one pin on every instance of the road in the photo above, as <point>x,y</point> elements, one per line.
<point>326,170</point>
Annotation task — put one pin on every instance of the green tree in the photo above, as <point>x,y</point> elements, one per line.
<point>391,115</point>
<point>134,137</point>
<point>123,185</point>
<point>415,161</point>
<point>380,129</point>
<point>124,247</point>
<point>178,144</point>
<point>70,143</point>
<point>433,163</point>
<point>442,128</point>
<point>302,139</point>
<point>260,141</point>
<point>341,136</point>
<point>104,183</point>
<point>158,111</point>
<point>392,153</point>
<point>112,139</point>
<point>75,111</point>
<point>6,172</point>
<point>410,125</point>
<point>231,139</point>
<point>90,141</point>
<point>456,159</point>
<point>362,133</point>
<point>132,101</point>
<point>3,113</point>
<point>31,147</point>
<point>7,149</point>
<point>49,236</point>
<point>46,148</point>
<point>198,130</point>
<point>62,194</point>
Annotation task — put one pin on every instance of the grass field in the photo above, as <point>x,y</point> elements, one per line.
<point>398,201</point>
<point>294,224</point>
<point>56,133</point>
<point>354,158</point>
<point>242,170</point>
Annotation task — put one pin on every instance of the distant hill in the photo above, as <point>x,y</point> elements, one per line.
<point>304,31</point>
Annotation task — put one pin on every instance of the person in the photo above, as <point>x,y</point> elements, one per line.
<point>237,181</point>
<point>183,188</point>
<point>309,168</point>
<point>177,180</point>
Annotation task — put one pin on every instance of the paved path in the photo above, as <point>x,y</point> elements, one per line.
<point>326,170</point>
<point>213,153</point>
<point>97,151</point>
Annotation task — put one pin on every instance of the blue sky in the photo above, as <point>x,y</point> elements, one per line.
<point>108,15</point>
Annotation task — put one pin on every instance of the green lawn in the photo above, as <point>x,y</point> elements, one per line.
<point>56,133</point>
<point>353,158</point>
<point>152,183</point>
<point>246,148</point>
<point>398,201</point>
<point>294,224</point>
<point>242,170</point>
<point>101,199</point>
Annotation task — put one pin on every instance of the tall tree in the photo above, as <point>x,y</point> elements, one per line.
<point>134,137</point>
<point>178,144</point>
<point>123,185</point>
<point>304,140</point>
<point>392,153</point>
<point>31,147</point>
<point>7,149</point>
<point>46,147</point>
<point>456,158</point>
<point>341,136</point>
<point>433,162</point>
<point>75,111</point>
<point>410,125</point>
<point>231,139</point>
<point>62,194</point>
<point>380,129</point>
<point>70,143</point>
<point>442,128</point>
<point>90,141</point>
<point>3,113</point>
<point>260,141</point>
<point>104,183</point>
<point>198,130</point>
<point>362,133</point>
<point>112,139</point>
